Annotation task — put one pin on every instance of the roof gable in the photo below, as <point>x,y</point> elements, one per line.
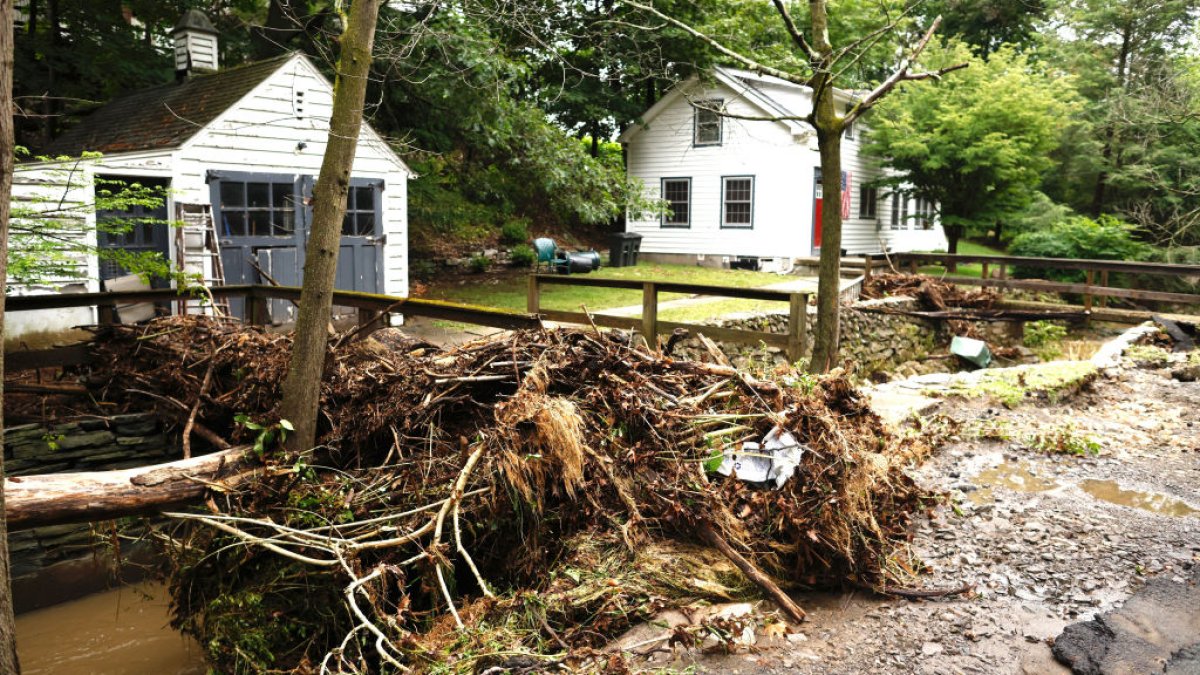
<point>739,86</point>
<point>164,116</point>
<point>773,96</point>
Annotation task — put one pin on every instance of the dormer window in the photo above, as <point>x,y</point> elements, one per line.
<point>707,122</point>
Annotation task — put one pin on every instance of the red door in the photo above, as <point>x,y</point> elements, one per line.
<point>816,227</point>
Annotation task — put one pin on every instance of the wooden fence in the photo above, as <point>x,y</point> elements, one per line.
<point>794,341</point>
<point>1089,289</point>
<point>374,310</point>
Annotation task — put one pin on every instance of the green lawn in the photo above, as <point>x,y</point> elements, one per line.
<point>511,292</point>
<point>965,248</point>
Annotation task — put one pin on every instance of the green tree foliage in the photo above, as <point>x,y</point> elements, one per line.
<point>1078,237</point>
<point>985,25</point>
<point>978,143</point>
<point>1131,59</point>
<point>486,154</point>
<point>50,233</point>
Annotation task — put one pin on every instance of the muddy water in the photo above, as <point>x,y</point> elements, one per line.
<point>1016,477</point>
<point>119,632</point>
<point>1111,491</point>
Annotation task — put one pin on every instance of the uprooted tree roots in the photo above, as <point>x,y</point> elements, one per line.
<point>511,503</point>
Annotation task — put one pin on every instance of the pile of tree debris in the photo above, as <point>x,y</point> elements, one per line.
<point>932,293</point>
<point>513,503</point>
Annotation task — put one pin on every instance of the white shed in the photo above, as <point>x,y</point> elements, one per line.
<point>740,187</point>
<point>249,142</point>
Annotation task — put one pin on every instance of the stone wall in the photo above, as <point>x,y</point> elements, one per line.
<point>59,562</point>
<point>874,341</point>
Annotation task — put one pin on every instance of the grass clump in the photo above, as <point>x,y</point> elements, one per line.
<point>1065,439</point>
<point>1148,356</point>
<point>1043,381</point>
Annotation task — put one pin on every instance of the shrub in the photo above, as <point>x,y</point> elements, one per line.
<point>1045,339</point>
<point>515,232</point>
<point>1077,237</point>
<point>479,264</point>
<point>522,256</point>
<point>422,270</point>
<point>1041,333</point>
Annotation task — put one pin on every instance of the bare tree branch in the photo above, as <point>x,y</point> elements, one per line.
<point>902,75</point>
<point>794,31</point>
<point>740,58</point>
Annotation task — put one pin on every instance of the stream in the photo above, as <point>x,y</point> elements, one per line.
<point>124,631</point>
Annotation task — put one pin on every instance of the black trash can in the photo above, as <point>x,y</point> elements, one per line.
<point>579,263</point>
<point>624,248</point>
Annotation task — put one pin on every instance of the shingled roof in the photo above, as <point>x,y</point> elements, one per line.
<point>163,116</point>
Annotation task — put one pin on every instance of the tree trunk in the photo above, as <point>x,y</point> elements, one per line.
<point>997,241</point>
<point>301,389</point>
<point>829,127</point>
<point>829,275</point>
<point>58,498</point>
<point>953,234</point>
<point>8,626</point>
<point>1100,193</point>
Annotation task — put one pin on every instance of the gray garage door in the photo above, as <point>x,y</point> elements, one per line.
<point>263,221</point>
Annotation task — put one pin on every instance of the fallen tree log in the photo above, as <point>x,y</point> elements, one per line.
<point>59,498</point>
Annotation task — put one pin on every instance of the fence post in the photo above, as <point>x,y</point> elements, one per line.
<point>866,268</point>
<point>1103,299</point>
<point>797,326</point>
<point>368,322</point>
<point>256,308</point>
<point>1087,297</point>
<point>650,314</point>
<point>984,273</point>
<point>534,300</point>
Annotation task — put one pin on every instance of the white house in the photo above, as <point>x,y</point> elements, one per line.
<point>249,142</point>
<point>740,187</point>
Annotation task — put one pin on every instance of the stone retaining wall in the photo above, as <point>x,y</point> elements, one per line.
<point>55,563</point>
<point>872,340</point>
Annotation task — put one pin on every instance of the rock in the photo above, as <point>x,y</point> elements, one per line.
<point>931,649</point>
<point>1160,624</point>
<point>1189,373</point>
<point>102,437</point>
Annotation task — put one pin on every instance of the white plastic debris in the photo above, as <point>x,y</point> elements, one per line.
<point>775,459</point>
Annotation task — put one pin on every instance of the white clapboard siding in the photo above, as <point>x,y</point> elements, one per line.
<point>781,155</point>
<point>262,134</point>
<point>763,150</point>
<point>63,193</point>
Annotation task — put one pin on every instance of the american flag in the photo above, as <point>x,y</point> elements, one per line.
<point>847,180</point>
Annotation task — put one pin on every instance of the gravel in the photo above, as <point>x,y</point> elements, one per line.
<point>1038,560</point>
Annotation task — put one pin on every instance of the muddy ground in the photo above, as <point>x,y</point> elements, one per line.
<point>1046,540</point>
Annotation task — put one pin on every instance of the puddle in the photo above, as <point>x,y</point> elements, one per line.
<point>1154,502</point>
<point>118,632</point>
<point>1015,477</point>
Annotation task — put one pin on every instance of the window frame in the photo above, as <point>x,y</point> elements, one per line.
<point>717,103</point>
<point>868,202</point>
<point>848,133</point>
<point>377,185</point>
<point>216,179</point>
<point>894,223</point>
<point>662,193</point>
<point>724,183</point>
